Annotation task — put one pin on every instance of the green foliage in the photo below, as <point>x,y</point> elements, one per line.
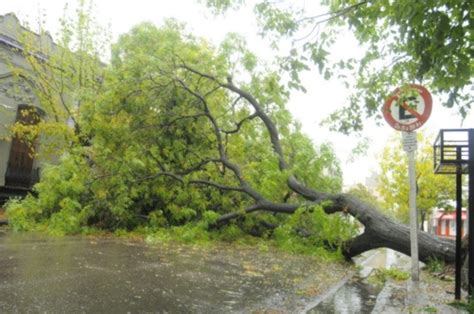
<point>362,193</point>
<point>67,84</point>
<point>427,41</point>
<point>430,309</point>
<point>190,234</point>
<point>146,144</point>
<point>19,216</point>
<point>307,160</point>
<point>230,233</point>
<point>381,275</point>
<point>60,206</point>
<point>310,229</point>
<point>66,221</point>
<point>220,6</point>
<point>435,265</point>
<point>404,41</point>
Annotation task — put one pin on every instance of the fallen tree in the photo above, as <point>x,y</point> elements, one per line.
<point>379,230</point>
<point>168,128</point>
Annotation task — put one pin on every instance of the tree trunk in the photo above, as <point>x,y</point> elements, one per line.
<point>422,220</point>
<point>382,231</point>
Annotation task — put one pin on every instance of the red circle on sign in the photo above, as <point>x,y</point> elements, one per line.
<point>420,118</point>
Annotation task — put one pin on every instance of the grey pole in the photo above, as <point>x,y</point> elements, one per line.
<point>471,210</point>
<point>415,272</point>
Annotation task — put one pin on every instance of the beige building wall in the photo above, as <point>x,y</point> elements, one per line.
<point>13,91</point>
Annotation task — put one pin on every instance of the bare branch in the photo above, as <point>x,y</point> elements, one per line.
<point>240,123</point>
<point>332,13</point>
<point>218,186</point>
<point>265,206</point>
<point>330,16</point>
<point>168,123</point>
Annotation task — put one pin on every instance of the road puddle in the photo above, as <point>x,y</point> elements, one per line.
<point>357,295</point>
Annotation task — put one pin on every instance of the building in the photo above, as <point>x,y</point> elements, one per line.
<point>444,223</point>
<point>19,168</point>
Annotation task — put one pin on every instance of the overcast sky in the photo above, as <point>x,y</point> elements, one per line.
<point>322,97</point>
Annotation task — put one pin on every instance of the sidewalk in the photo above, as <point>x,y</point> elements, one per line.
<point>429,295</point>
<point>407,297</point>
<point>358,295</point>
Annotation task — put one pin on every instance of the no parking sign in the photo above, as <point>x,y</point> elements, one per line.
<point>408,108</point>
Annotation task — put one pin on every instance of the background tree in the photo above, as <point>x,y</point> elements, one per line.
<point>364,194</point>
<point>66,75</point>
<point>404,42</point>
<point>432,190</point>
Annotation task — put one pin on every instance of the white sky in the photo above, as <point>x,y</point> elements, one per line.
<point>322,97</point>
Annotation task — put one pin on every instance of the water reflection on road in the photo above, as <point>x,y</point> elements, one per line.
<point>357,295</point>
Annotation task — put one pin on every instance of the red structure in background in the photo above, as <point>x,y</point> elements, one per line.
<point>445,224</point>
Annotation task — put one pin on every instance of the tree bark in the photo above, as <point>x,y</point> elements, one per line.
<point>422,222</point>
<point>382,231</point>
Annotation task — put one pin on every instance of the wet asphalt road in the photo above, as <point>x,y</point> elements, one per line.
<point>80,274</point>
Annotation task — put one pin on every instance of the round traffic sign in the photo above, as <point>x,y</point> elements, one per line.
<point>408,108</point>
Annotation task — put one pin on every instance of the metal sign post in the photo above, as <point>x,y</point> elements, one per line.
<point>410,146</point>
<point>406,110</point>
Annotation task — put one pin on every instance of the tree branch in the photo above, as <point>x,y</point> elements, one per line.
<point>240,123</point>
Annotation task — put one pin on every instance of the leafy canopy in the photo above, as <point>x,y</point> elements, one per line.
<point>66,75</point>
<point>428,42</point>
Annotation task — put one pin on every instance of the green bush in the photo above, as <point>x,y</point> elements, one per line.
<point>434,265</point>
<point>310,229</point>
<point>381,275</point>
<point>60,201</point>
<point>20,216</point>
